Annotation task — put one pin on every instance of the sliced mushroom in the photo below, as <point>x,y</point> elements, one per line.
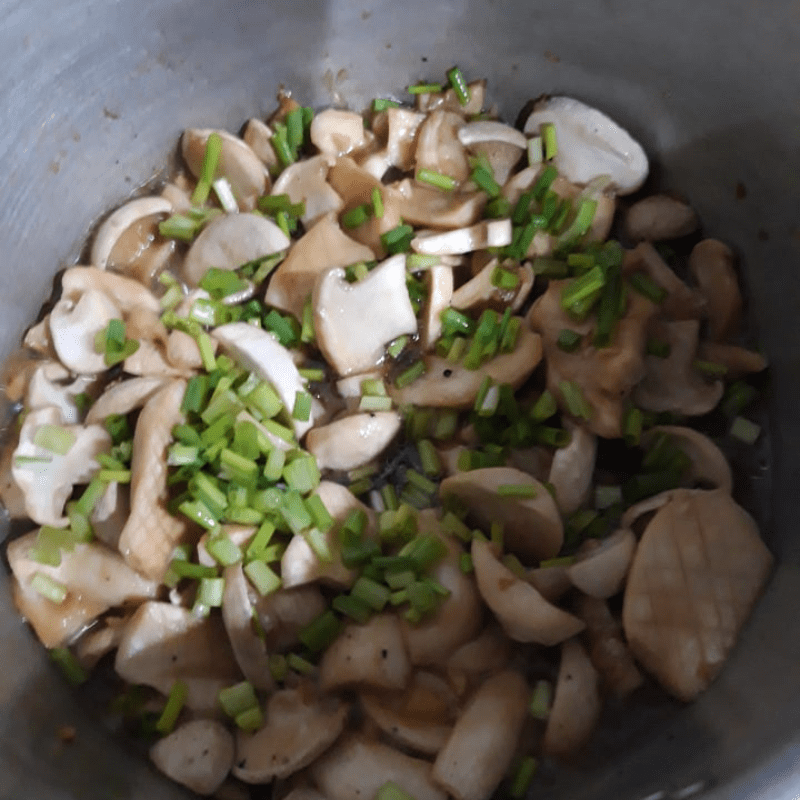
<point>126,294</point>
<point>355,321</point>
<point>576,703</point>
<point>112,228</point>
<point>283,613</point>
<point>322,247</point>
<point>183,352</point>
<point>524,614</point>
<point>372,654</point>
<point>299,728</point>
<point>552,581</point>
<point>572,469</point>
<point>489,233</point>
<point>448,385</point>
<point>482,745</point>
<point>491,131</point>
<point>439,280</point>
<point>601,568</point>
<point>237,163</point>
<point>438,147</point>
<point>123,397</point>
<point>357,767</point>
<point>110,514</point>
<point>420,718</point>
<point>257,136</point>
<point>305,182</point>
<point>401,138</point>
<point>164,643</point>
<point>489,652</point>
<point>260,352</point>
<point>712,264</point>
<point>46,478</point>
<point>708,463</point>
<point>197,754</point>
<point>590,144</point>
<point>352,441</point>
<point>425,205</point>
<point>659,217</point>
<point>449,100</point>
<point>99,641</point>
<point>532,527</point>
<point>336,132</point>
<point>480,290</point>
<point>231,240</point>
<point>38,339</point>
<point>698,570</point>
<point>151,532</point>
<point>149,361</point>
<point>672,383</point>
<point>48,387</point>
<point>526,281</point>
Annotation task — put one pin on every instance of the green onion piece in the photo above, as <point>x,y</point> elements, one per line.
<point>356,216</point>
<point>455,322</point>
<point>569,340</point>
<point>646,286</point>
<point>302,474</point>
<point>545,407</point>
<point>280,144</point>
<point>401,579</point>
<point>523,777</point>
<point>294,511</point>
<point>549,141</point>
<point>425,88</point>
<point>465,563</point>
<point>564,561</point>
<point>582,287</point>
<point>535,151</point>
<point>632,423</point>
<point>397,240</point>
<point>392,791</point>
<point>294,129</point>
<point>648,484</point>
<point>69,665</point>
<point>541,700</point>
<point>415,262</point>
<point>422,598</point>
<point>172,709</point>
<point>55,438</point>
<point>179,227</point>
<point>258,544</point>
<point>431,466</point>
<point>276,460</point>
<point>745,431</point>
<point>522,490</point>
<point>250,720</point>
<point>543,182</point>
<point>658,348</point>
<point>237,698</point>
<point>373,403</point>
<point>194,398</point>
<point>389,497</point>
<point>459,84</point>
<point>579,226</point>
<point>206,347</point>
<point>221,283</point>
<point>382,104</point>
<point>186,569</point>
<point>437,179</point>
<point>371,593</point>
<point>302,407</point>
<point>352,607</point>
<point>509,341</point>
<point>316,540</point>
<point>264,400</point>
<point>574,399</point>
<point>312,375</point>
<point>114,475</point>
<point>266,266</point>
<point>505,279</point>
<point>300,664</point>
<point>262,577</point>
<point>737,398</point>
<point>48,588</point>
<point>710,368</point>
<point>360,487</point>
<point>497,208</point>
<point>377,203</point>
<point>278,667</point>
<point>320,514</point>
<point>208,169</point>
<point>320,632</point>
<point>224,550</point>
<point>210,592</point>
<point>607,496</point>
<point>273,204</point>
<point>484,179</point>
<point>238,468</point>
<point>409,375</point>
<point>420,481</point>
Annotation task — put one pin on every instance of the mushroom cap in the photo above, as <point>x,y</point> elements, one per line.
<point>426,205</point>
<point>572,469</point>
<point>48,387</point>
<point>491,131</point>
<point>439,280</point>
<point>352,441</point>
<point>336,132</point>
<point>305,182</point>
<point>600,570</point>
<point>660,217</point>
<point>711,262</point>
<point>257,135</point>
<point>438,147</point>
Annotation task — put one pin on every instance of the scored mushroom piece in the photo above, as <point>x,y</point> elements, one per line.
<point>260,352</point>
<point>352,441</point>
<point>231,240</point>
<point>372,654</point>
<point>418,204</point>
<point>524,614</point>
<point>712,264</point>
<point>445,384</point>
<point>164,643</point>
<point>323,246</point>
<point>438,147</point>
<point>357,767</point>
<point>576,702</point>
<point>197,754</point>
<point>336,132</point>
<point>532,527</point>
<point>660,217</point>
<point>355,321</point>
<point>590,144</point>
<point>698,570</point>
<point>439,280</point>
<point>299,727</point>
<point>48,387</point>
<point>601,567</point>
<point>237,163</point>
<point>489,233</point>
<point>110,231</point>
<point>572,469</point>
<point>484,739</point>
<point>305,182</point>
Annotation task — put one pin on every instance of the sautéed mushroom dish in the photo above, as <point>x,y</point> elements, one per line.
<point>369,455</point>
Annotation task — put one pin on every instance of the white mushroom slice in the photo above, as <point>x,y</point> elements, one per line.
<point>350,387</point>
<point>164,643</point>
<point>519,183</point>
<point>197,754</point>
<point>708,463</point>
<point>183,351</point>
<point>491,131</point>
<point>524,614</point>
<point>257,136</point>
<point>259,351</point>
<point>527,278</point>
<point>698,570</point>
<point>323,246</point>
<point>659,217</point>
<point>372,654</point>
<point>590,144</point>
<point>48,387</point>
<point>438,148</point>
<point>738,361</point>
<point>110,514</point>
<point>149,361</point>
<point>119,221</point>
<point>376,164</point>
<point>352,441</point>
<point>552,582</point>
<point>448,385</point>
<point>99,641</point>
<point>178,194</point>
<point>299,728</point>
<point>47,479</point>
<point>74,325</point>
<point>532,527</point>
<point>489,233</point>
<point>357,767</point>
<point>305,182</point>
<point>672,383</point>
<point>38,339</point>
<point>420,718</point>
<point>712,264</point>
<point>483,742</point>
<point>490,652</point>
<point>576,703</point>
<point>572,469</point>
<point>601,568</point>
<point>123,397</point>
<point>425,205</point>
<point>151,532</point>
<point>125,293</point>
<point>439,280</point>
<point>282,614</point>
<point>355,321</point>
<point>402,128</point>
<point>237,615</point>
<point>638,510</point>
<point>501,156</point>
<point>237,163</point>
<point>607,648</point>
<point>231,240</point>
<point>336,132</point>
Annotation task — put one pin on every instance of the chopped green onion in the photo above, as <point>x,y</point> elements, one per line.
<point>579,226</point>
<point>356,216</point>
<point>607,496</point>
<point>352,607</point>
<point>48,588</point>
<point>258,544</point>
<point>373,403</point>
<point>574,399</point>
<point>224,550</point>
<point>505,279</point>
<point>737,398</point>
<point>210,592</point>
<point>569,340</point>
<point>545,406</point>
<point>265,266</point>
<point>69,665</point>
<point>465,563</point>
<point>710,368</point>
<point>262,577</point>
<point>294,511</point>
<point>420,481</point>
<point>299,664</point>
<point>179,227</point>
<point>172,709</point>
<point>459,84</point>
<point>237,698</point>
<point>437,179</point>
<point>278,668</point>
<point>208,169</point>
<point>431,465</point>
<point>250,720</point>
<point>425,88</point>
<point>397,240</point>
<point>280,144</point>
<point>320,632</point>
<point>316,540</point>
<point>264,400</point>
<point>541,700</point>
<point>360,487</point>
<point>497,208</point>
<point>371,593</point>
<point>523,777</point>
<point>522,490</point>
<point>415,262</point>
<point>409,375</point>
<point>582,288</point>
<point>745,431</point>
<point>186,569</point>
<point>535,151</point>
<point>632,423</point>
<point>658,348</point>
<point>647,287</point>
<point>114,475</point>
<point>302,407</point>
<point>484,179</point>
<point>377,203</point>
<point>382,104</point>
<point>549,140</point>
<point>302,474</point>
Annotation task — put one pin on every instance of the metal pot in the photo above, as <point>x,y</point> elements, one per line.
<point>94,95</point>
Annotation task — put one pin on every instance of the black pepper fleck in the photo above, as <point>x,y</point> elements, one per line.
<point>447,373</point>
